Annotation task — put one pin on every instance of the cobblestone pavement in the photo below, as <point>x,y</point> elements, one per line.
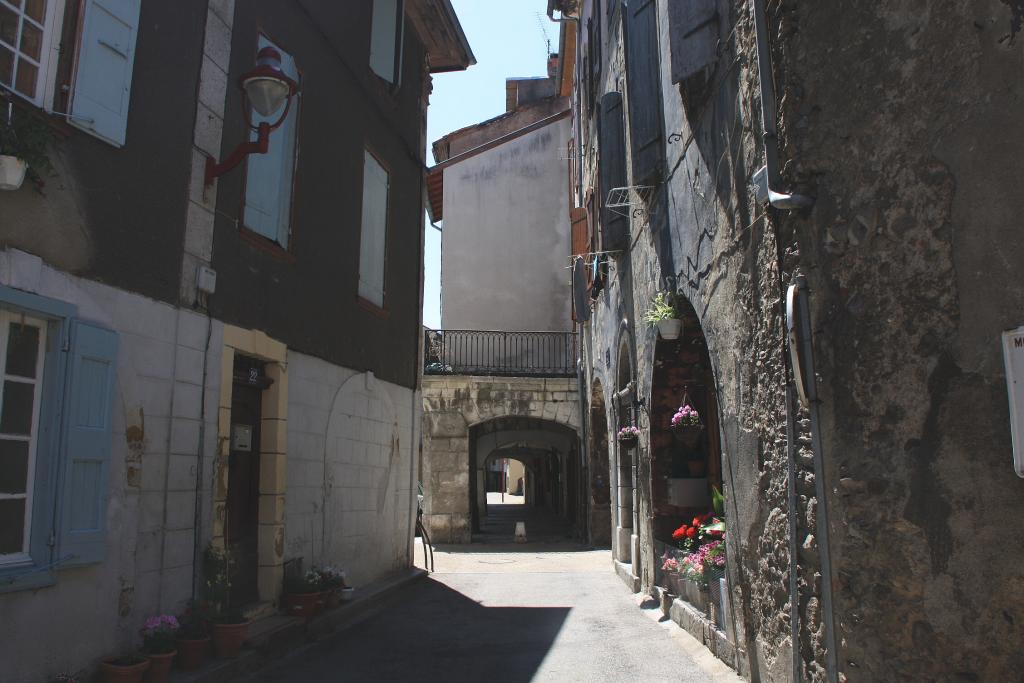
<point>534,612</point>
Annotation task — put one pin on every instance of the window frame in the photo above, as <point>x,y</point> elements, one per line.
<point>46,82</point>
<point>37,382</point>
<point>395,82</point>
<point>39,569</point>
<point>378,309</point>
<point>254,237</point>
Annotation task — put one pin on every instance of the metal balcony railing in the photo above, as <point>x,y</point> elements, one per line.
<point>502,354</point>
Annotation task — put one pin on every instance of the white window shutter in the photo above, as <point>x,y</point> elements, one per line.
<point>383,38</point>
<point>373,237</point>
<point>103,78</point>
<point>269,177</point>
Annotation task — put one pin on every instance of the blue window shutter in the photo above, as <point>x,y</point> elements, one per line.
<point>87,444</point>
<point>693,34</point>
<point>612,169</point>
<point>644,81</point>
<point>269,178</point>
<point>103,78</point>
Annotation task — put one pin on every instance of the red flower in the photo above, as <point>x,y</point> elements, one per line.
<point>691,532</point>
<point>679,533</point>
<point>696,521</point>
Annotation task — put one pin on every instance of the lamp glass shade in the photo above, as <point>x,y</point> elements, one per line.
<point>266,94</point>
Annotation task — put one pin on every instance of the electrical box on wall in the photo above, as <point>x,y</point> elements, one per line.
<point>206,280</point>
<point>1013,356</point>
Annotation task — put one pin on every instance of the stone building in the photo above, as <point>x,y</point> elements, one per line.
<point>847,171</point>
<point>501,377</point>
<point>193,361</point>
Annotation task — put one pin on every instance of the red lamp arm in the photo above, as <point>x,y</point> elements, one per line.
<point>257,146</point>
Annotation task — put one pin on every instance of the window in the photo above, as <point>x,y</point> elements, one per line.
<point>373,233</point>
<point>104,56</point>
<point>25,33</point>
<point>22,341</point>
<point>386,39</point>
<point>270,177</point>
<point>56,389</point>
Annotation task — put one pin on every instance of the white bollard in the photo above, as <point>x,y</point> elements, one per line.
<point>520,532</point>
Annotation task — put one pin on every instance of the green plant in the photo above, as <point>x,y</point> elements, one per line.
<point>662,308</point>
<point>195,621</point>
<point>218,568</point>
<point>310,582</point>
<point>158,634</point>
<point>28,137</point>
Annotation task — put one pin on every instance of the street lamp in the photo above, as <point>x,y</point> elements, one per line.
<point>266,88</point>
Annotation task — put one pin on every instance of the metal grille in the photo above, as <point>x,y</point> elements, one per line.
<point>502,354</point>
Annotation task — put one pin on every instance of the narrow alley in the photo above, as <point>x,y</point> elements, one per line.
<point>498,612</point>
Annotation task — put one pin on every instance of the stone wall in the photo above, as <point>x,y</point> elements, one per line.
<point>451,405</point>
<point>897,120</point>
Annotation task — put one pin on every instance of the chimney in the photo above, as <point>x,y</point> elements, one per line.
<point>552,65</point>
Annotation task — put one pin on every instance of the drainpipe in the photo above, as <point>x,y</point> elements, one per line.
<point>798,322</point>
<point>769,134</point>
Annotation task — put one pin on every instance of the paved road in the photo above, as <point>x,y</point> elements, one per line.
<point>514,613</point>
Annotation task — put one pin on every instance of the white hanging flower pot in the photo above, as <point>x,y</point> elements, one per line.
<point>12,172</point>
<point>670,328</point>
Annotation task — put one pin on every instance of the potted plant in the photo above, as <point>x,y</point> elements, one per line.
<point>24,139</point>
<point>230,626</point>
<point>158,635</point>
<point>124,668</point>
<point>302,594</point>
<point>663,315</point>
<point>686,424</point>
<point>629,436</point>
<point>193,637</point>
<point>332,583</point>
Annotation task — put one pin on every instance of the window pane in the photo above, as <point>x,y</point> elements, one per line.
<point>8,26</point>
<point>12,526</point>
<point>6,65</point>
<point>36,9</point>
<point>26,81</point>
<point>13,466</point>
<point>22,350</point>
<point>16,415</point>
<point>383,37</point>
<point>31,41</point>
<point>373,234</point>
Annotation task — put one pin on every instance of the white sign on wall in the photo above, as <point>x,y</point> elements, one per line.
<point>1013,356</point>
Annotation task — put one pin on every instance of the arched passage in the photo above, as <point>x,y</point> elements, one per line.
<point>548,450</point>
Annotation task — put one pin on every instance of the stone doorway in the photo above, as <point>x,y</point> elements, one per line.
<point>599,526</point>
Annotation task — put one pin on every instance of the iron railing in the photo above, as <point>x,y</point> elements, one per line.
<point>502,354</point>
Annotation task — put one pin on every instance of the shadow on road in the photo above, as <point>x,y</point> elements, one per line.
<point>435,633</point>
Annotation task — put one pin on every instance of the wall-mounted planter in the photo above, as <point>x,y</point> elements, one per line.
<point>12,172</point>
<point>670,329</point>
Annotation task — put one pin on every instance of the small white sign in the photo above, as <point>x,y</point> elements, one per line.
<point>241,438</point>
<point>1013,356</point>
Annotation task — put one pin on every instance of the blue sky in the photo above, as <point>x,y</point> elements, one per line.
<point>508,41</point>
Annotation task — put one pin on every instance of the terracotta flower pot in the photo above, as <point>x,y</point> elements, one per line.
<point>122,673</point>
<point>228,639</point>
<point>159,667</point>
<point>192,654</point>
<point>302,604</point>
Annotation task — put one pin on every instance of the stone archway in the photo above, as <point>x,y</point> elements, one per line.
<point>463,416</point>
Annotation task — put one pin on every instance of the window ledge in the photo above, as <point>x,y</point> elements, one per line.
<point>373,308</point>
<point>265,245</point>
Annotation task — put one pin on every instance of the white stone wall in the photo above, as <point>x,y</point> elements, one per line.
<point>96,610</point>
<point>352,451</point>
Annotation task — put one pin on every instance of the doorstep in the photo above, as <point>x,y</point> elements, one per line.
<point>625,572</point>
<point>274,636</point>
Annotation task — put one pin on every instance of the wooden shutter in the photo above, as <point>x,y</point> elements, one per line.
<point>373,235</point>
<point>580,232</point>
<point>612,151</point>
<point>103,78</point>
<point>385,38</point>
<point>269,177</point>
<point>643,79</point>
<point>87,444</point>
<point>693,36</point>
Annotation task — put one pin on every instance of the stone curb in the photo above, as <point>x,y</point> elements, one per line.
<point>276,637</point>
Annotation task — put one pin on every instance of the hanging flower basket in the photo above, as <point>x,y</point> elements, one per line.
<point>686,424</point>
<point>629,436</point>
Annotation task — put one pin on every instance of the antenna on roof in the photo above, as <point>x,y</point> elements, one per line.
<point>543,26</point>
